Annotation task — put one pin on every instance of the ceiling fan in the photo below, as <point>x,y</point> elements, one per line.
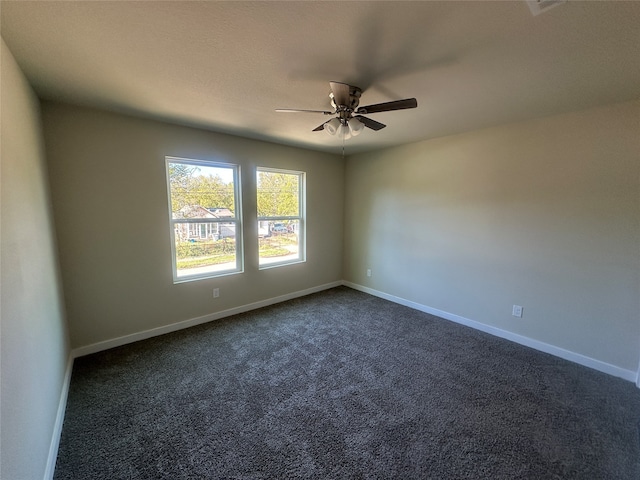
<point>349,121</point>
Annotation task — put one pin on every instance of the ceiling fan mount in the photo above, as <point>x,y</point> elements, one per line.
<point>344,103</point>
<point>345,100</point>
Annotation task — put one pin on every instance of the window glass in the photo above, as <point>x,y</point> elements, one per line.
<point>206,226</point>
<point>280,195</point>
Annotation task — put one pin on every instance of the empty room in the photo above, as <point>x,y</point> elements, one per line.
<point>329,240</point>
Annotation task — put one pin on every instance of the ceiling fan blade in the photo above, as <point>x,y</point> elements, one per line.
<point>295,110</point>
<point>372,124</point>
<point>389,106</point>
<point>319,127</point>
<point>340,93</point>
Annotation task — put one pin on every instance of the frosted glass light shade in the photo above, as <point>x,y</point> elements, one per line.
<point>356,126</point>
<point>344,132</point>
<point>331,127</point>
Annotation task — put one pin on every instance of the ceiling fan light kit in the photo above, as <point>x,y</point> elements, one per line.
<point>345,100</point>
<point>344,128</point>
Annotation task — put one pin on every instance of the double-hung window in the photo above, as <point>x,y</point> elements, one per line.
<point>281,217</point>
<point>205,217</point>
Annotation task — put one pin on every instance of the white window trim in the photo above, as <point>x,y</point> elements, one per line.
<point>301,218</point>
<point>237,220</point>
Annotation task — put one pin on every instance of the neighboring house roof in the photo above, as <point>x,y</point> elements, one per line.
<point>196,211</point>
<point>193,211</point>
<point>221,212</point>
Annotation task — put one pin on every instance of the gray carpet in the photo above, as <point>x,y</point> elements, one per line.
<point>341,384</point>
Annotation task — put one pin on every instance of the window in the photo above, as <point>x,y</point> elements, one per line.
<point>280,217</point>
<point>206,226</point>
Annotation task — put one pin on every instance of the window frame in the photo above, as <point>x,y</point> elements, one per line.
<point>236,220</point>
<point>301,217</point>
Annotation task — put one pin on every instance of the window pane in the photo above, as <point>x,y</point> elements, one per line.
<point>205,217</point>
<point>278,241</point>
<point>278,194</point>
<point>280,202</point>
<point>203,248</point>
<point>201,191</point>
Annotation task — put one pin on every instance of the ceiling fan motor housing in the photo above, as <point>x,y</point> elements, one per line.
<point>345,110</point>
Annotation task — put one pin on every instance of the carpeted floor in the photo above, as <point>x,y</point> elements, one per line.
<point>341,384</point>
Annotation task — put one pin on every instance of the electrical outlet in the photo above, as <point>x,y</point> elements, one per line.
<point>517,311</point>
<point>368,272</point>
<point>216,292</point>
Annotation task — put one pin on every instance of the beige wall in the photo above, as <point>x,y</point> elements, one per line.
<point>108,184</point>
<point>34,345</point>
<point>543,214</point>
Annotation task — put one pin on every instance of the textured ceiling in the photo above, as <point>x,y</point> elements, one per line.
<point>226,66</point>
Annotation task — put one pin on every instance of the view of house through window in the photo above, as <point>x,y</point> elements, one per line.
<point>205,218</point>
<point>280,216</point>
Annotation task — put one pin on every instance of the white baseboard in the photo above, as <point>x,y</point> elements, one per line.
<point>154,332</point>
<point>522,340</point>
<point>57,428</point>
<point>599,365</point>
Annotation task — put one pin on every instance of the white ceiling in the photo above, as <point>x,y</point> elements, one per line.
<point>226,66</point>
